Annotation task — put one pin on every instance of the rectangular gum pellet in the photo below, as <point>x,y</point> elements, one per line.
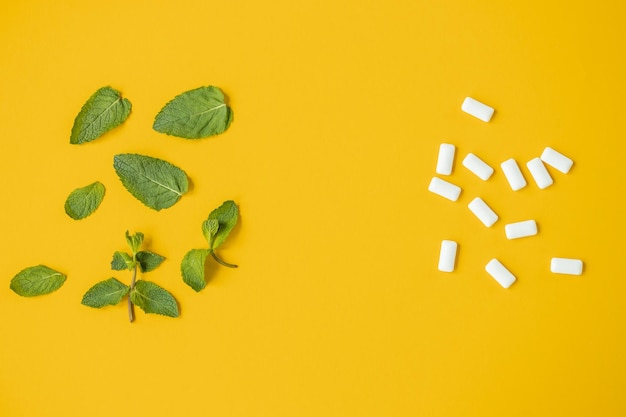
<point>444,189</point>
<point>513,174</point>
<point>447,255</point>
<point>477,166</point>
<point>445,159</point>
<point>477,109</point>
<point>520,229</point>
<point>566,266</point>
<point>484,213</point>
<point>500,273</point>
<point>539,173</point>
<point>556,160</point>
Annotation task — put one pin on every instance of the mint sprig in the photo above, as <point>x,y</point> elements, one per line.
<point>216,229</point>
<point>147,295</point>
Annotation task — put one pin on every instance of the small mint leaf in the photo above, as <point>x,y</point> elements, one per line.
<point>148,261</point>
<point>103,111</point>
<point>37,280</point>
<point>192,268</point>
<point>195,114</point>
<point>109,292</point>
<point>153,299</point>
<point>209,229</point>
<point>84,201</point>
<point>227,215</point>
<point>122,261</point>
<point>134,241</point>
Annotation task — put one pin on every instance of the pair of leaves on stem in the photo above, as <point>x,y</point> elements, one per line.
<point>216,229</point>
<point>147,295</point>
<point>194,114</point>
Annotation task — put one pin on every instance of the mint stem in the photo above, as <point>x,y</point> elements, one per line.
<point>221,262</point>
<point>131,311</point>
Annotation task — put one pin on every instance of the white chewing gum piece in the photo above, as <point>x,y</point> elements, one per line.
<point>445,159</point>
<point>500,273</point>
<point>444,188</point>
<point>513,174</point>
<point>477,109</point>
<point>566,266</point>
<point>447,255</point>
<point>479,167</point>
<point>556,160</point>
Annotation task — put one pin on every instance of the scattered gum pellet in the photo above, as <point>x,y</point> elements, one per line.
<point>513,174</point>
<point>500,273</point>
<point>556,160</point>
<point>477,109</point>
<point>445,159</point>
<point>484,213</point>
<point>566,266</point>
<point>444,189</point>
<point>520,229</point>
<point>447,255</point>
<point>479,167</point>
<point>539,173</point>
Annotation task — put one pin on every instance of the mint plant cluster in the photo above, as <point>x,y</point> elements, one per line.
<point>158,184</point>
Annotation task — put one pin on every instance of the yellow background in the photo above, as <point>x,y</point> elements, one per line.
<point>337,308</point>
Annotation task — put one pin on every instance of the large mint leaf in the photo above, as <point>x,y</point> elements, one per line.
<point>104,110</point>
<point>37,280</point>
<point>195,114</point>
<point>84,201</point>
<point>109,292</point>
<point>192,268</point>
<point>227,215</point>
<point>148,261</point>
<point>153,299</point>
<point>156,183</point>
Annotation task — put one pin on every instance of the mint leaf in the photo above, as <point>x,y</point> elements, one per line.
<point>148,261</point>
<point>153,299</point>
<point>109,292</point>
<point>192,268</point>
<point>209,229</point>
<point>104,110</point>
<point>156,183</point>
<point>37,280</point>
<point>134,241</point>
<point>121,261</point>
<point>227,215</point>
<point>195,114</point>
<point>84,201</point>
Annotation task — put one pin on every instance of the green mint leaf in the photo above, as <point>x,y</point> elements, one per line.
<point>156,183</point>
<point>148,261</point>
<point>37,280</point>
<point>104,110</point>
<point>195,114</point>
<point>227,215</point>
<point>153,299</point>
<point>109,292</point>
<point>84,201</point>
<point>134,241</point>
<point>209,229</point>
<point>122,261</point>
<point>192,268</point>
